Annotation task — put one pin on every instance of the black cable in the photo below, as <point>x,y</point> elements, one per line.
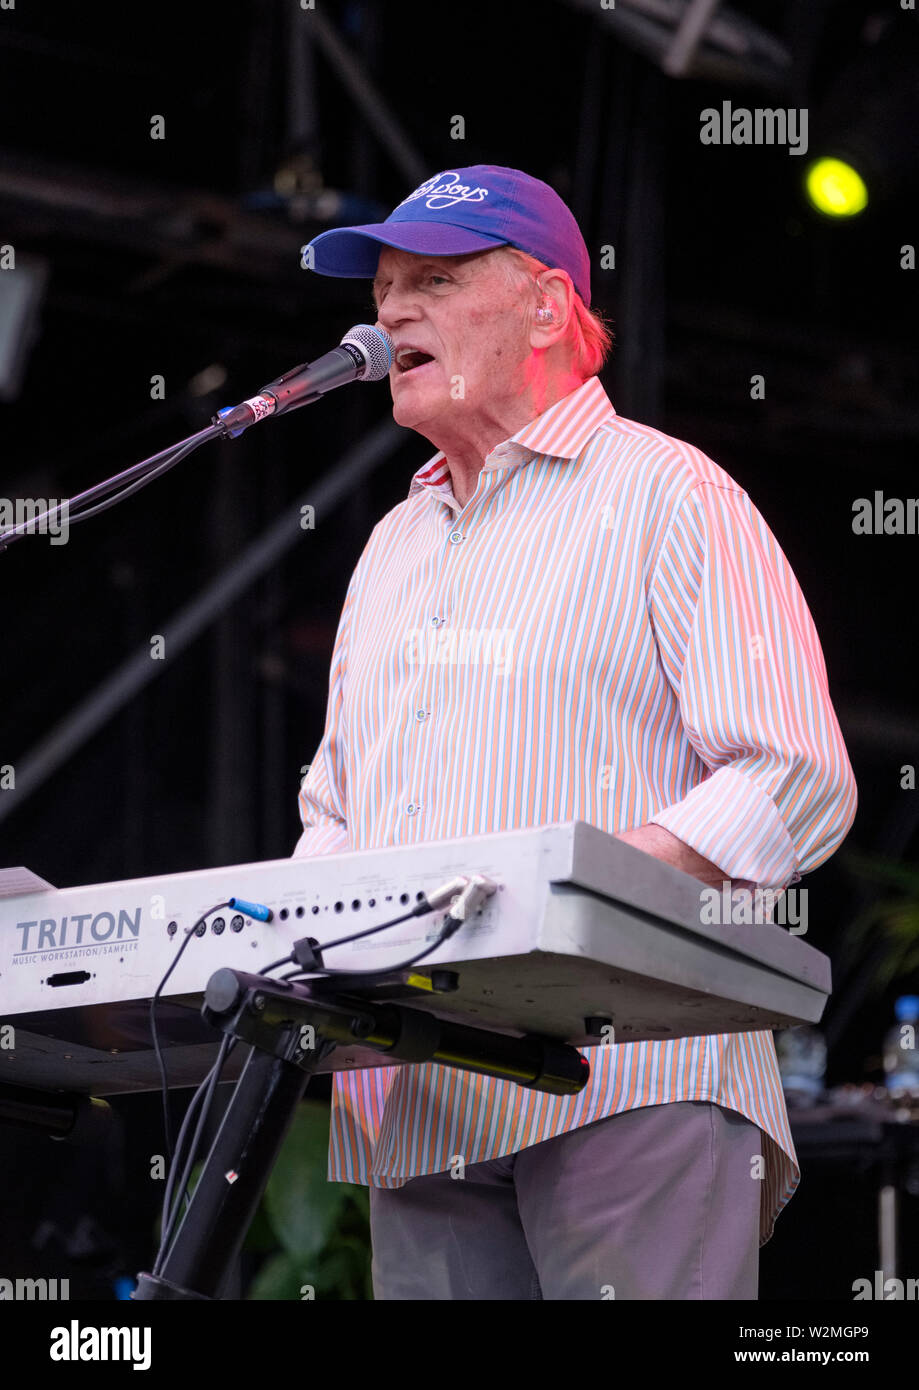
<point>142,482</point>
<point>145,471</point>
<point>156,1042</point>
<point>202,436</point>
<point>325,971</point>
<point>170,1207</point>
<point>274,965</point>
<point>204,1093</point>
<point>173,1198</point>
<point>419,910</point>
<point>195,1101</point>
<point>203,1096</point>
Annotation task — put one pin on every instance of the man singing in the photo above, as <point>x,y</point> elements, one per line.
<point>660,677</point>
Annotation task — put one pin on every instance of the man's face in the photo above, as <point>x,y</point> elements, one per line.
<point>466,320</point>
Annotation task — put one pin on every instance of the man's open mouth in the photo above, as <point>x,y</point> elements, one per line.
<point>407,359</point>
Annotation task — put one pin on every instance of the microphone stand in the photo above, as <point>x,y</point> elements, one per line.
<point>126,483</point>
<point>300,386</point>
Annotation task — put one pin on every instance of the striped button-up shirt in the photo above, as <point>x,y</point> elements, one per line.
<point>606,631</point>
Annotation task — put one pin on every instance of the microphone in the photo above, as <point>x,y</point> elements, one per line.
<point>364,354</point>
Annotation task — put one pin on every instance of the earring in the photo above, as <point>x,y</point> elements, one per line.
<point>545,315</point>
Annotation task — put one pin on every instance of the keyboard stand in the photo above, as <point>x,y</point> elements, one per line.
<point>291,1027</point>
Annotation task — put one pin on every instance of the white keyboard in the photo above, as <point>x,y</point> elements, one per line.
<point>580,926</point>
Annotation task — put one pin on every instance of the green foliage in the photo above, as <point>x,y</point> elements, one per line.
<point>884,936</point>
<point>321,1227</point>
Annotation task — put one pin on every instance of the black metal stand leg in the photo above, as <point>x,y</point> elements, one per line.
<point>223,1205</point>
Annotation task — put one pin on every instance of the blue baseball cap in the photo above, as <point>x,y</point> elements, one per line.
<point>459,211</point>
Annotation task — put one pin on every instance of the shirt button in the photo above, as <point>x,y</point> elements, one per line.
<point>455,538</point>
<point>421,714</point>
<point>412,809</point>
<point>434,622</point>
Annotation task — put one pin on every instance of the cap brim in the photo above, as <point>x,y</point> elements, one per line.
<point>355,251</point>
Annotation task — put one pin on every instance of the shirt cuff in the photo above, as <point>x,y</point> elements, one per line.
<point>732,822</point>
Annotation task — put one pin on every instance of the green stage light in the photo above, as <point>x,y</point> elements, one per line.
<point>835,188</point>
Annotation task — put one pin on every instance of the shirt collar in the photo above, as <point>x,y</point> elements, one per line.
<point>562,431</point>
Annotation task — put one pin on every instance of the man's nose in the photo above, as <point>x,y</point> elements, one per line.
<point>397,307</point>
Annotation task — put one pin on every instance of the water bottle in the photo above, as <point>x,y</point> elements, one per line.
<point>901,1047</point>
<point>802,1063</point>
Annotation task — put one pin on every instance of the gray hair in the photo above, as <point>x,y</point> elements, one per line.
<point>589,336</point>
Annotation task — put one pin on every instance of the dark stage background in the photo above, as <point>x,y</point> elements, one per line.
<point>179,258</point>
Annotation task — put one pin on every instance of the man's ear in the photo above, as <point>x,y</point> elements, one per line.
<point>553,306</point>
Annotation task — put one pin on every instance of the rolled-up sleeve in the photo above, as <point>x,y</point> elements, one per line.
<point>741,652</point>
<point>322,791</point>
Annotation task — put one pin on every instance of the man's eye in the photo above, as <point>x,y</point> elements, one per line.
<point>441,279</point>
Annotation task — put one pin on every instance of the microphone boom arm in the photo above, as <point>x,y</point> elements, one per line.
<point>364,354</point>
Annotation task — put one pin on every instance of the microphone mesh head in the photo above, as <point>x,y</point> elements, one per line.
<point>376,348</point>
